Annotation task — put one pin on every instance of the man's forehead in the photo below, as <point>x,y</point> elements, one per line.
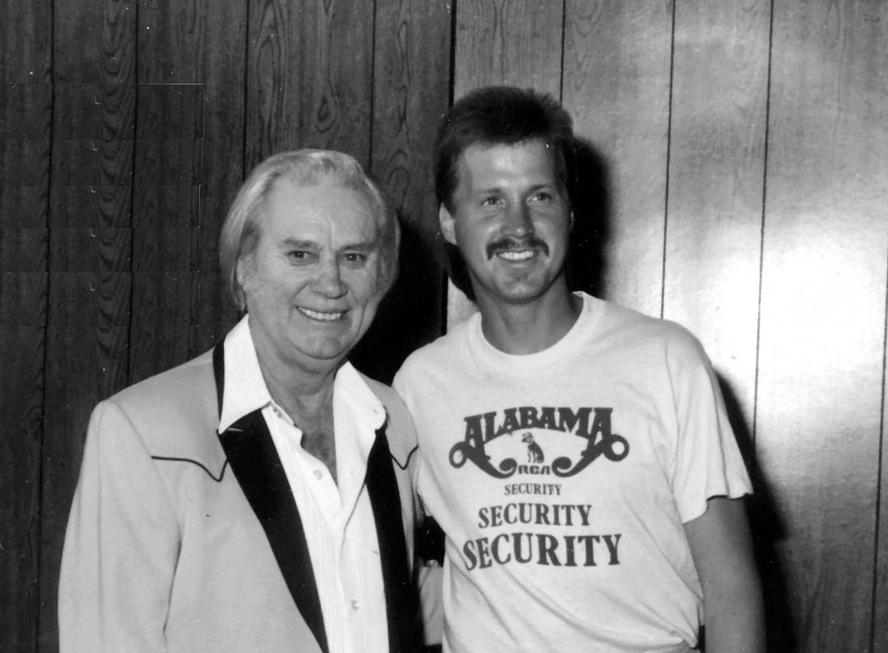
<point>328,204</point>
<point>330,199</point>
<point>484,162</point>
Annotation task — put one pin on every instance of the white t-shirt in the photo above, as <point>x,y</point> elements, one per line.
<point>562,480</point>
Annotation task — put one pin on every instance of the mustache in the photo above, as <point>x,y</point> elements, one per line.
<point>508,243</point>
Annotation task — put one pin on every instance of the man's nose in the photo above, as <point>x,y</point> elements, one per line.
<point>518,221</point>
<point>328,281</point>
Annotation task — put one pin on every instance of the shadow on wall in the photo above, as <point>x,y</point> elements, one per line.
<point>411,313</point>
<point>589,191</point>
<point>767,529</point>
<point>590,196</point>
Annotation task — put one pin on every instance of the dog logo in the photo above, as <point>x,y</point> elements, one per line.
<point>534,452</point>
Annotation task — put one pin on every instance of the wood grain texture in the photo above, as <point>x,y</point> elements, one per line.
<point>169,130</point>
<point>192,64</point>
<point>616,87</point>
<point>89,310</point>
<point>880,602</point>
<point>714,226</point>
<point>512,42</point>
<point>823,309</point>
<point>217,94</point>
<point>515,42</point>
<point>716,177</point>
<point>309,77</point>
<point>411,92</point>
<point>25,115</point>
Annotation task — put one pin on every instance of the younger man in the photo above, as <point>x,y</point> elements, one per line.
<point>576,454</point>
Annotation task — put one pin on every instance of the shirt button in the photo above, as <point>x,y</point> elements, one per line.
<point>318,474</point>
<point>354,604</point>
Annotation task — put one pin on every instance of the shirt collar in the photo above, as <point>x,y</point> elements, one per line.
<point>352,396</point>
<point>245,391</point>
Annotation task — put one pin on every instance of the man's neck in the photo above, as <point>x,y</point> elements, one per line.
<point>298,384</point>
<point>530,327</point>
<point>307,397</point>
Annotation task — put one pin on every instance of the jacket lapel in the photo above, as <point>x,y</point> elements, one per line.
<point>254,460</point>
<point>256,465</point>
<point>401,599</point>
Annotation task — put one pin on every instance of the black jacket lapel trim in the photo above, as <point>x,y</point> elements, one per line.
<point>219,372</point>
<point>401,599</point>
<point>254,460</point>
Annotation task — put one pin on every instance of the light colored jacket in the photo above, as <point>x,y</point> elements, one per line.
<point>181,539</point>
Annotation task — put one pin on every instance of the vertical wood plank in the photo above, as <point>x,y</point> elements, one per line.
<point>165,218</point>
<point>89,310</point>
<point>25,115</point>
<point>717,155</point>
<point>823,308</point>
<point>714,224</point>
<point>616,87</point>
<point>223,68</point>
<point>512,42</point>
<point>188,163</point>
<point>309,77</point>
<point>880,614</point>
<point>411,91</point>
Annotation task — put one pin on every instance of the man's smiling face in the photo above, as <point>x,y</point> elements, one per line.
<point>313,281</point>
<point>511,221</point>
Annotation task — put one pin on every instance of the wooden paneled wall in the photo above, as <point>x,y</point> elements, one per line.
<point>745,150</point>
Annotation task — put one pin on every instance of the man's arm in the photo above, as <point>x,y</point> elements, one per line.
<point>721,546</point>
<point>120,545</point>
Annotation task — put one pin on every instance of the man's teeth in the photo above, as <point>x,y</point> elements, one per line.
<point>519,255</point>
<point>318,315</point>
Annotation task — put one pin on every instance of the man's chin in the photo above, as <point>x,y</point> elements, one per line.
<point>516,289</point>
<point>515,294</point>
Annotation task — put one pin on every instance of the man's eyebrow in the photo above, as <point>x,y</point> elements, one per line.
<point>362,246</point>
<point>492,188</point>
<point>295,242</point>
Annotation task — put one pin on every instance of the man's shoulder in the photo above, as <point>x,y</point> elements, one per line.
<point>633,323</point>
<point>441,351</point>
<point>174,410</point>
<point>399,424</point>
<point>176,385</point>
<point>383,392</point>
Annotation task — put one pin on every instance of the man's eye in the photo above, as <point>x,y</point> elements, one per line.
<point>355,258</point>
<point>298,255</point>
<point>542,196</point>
<point>490,201</point>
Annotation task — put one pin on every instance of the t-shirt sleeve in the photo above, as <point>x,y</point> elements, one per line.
<point>400,383</point>
<point>707,462</point>
<point>429,545</point>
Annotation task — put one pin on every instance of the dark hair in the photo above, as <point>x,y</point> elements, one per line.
<point>496,115</point>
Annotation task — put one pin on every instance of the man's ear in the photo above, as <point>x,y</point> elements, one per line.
<point>243,268</point>
<point>446,221</point>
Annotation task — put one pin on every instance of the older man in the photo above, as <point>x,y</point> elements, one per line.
<point>258,497</point>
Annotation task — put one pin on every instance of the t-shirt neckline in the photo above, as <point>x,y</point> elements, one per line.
<point>486,354</point>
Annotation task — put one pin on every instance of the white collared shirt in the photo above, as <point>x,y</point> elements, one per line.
<point>338,520</point>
